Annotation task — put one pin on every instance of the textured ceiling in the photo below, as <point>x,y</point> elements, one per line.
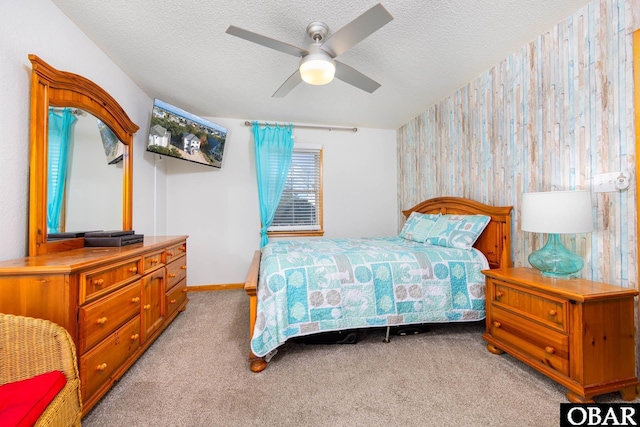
<point>178,51</point>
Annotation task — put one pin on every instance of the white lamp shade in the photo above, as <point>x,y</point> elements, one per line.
<point>317,69</point>
<point>560,212</point>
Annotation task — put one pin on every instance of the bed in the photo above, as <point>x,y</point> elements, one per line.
<point>303,287</point>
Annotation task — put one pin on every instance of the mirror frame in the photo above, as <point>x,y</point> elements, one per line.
<point>52,87</point>
<point>636,101</point>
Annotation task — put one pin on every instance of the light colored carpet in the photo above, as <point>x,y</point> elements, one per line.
<point>196,374</point>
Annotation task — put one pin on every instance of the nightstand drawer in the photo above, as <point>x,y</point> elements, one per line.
<point>542,308</point>
<point>538,342</point>
<point>578,332</point>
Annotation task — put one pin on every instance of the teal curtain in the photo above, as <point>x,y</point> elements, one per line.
<point>273,147</point>
<point>60,125</point>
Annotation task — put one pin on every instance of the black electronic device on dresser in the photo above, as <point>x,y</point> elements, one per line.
<point>112,238</point>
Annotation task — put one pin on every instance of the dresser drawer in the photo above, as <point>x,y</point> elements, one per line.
<point>151,262</point>
<point>98,364</point>
<point>176,296</point>
<point>174,252</point>
<point>176,271</point>
<point>97,282</point>
<point>538,342</point>
<point>542,308</point>
<point>102,317</point>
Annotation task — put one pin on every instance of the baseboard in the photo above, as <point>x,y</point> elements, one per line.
<point>224,287</point>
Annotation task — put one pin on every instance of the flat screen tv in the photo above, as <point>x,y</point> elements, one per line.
<point>177,133</point>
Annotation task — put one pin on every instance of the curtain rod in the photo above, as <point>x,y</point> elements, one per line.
<point>75,111</point>
<point>329,128</point>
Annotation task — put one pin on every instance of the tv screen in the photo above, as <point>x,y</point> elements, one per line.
<point>177,133</point>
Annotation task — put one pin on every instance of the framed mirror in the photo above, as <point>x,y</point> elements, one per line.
<point>60,92</point>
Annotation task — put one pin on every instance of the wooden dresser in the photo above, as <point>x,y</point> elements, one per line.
<point>577,332</point>
<point>114,301</point>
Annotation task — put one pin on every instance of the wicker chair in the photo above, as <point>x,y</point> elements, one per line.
<point>29,347</point>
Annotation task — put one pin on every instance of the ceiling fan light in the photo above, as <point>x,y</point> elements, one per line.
<point>317,70</point>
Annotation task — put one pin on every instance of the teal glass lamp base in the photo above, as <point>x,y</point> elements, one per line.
<point>555,260</point>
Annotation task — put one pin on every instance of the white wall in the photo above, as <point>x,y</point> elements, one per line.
<point>218,209</point>
<point>39,27</point>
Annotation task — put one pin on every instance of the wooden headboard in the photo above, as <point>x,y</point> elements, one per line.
<point>495,240</point>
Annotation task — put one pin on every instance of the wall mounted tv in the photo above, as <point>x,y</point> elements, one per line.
<point>177,133</point>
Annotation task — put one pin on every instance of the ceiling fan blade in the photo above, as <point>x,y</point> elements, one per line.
<point>355,78</point>
<point>266,41</point>
<point>293,81</point>
<point>357,30</point>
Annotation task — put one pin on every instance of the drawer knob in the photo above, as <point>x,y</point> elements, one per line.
<point>135,300</point>
<point>154,261</point>
<point>147,306</point>
<point>101,367</point>
<point>499,294</point>
<point>184,267</point>
<point>98,282</point>
<point>171,275</point>
<point>183,248</point>
<point>173,301</point>
<point>101,321</point>
<point>169,253</point>
<point>133,270</point>
<point>552,312</point>
<point>497,324</point>
<point>134,337</point>
<point>550,350</point>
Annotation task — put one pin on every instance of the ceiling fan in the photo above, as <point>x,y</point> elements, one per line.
<point>317,63</point>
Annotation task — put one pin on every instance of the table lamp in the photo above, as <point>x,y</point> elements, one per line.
<point>555,213</point>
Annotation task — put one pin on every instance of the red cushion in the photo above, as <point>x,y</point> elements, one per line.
<point>22,402</point>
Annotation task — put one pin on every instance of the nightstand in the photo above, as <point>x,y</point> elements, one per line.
<point>579,333</point>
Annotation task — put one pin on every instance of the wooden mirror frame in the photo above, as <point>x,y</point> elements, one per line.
<point>636,88</point>
<point>51,87</point>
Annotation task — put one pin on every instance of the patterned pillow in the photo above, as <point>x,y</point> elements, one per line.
<point>457,231</point>
<point>418,226</point>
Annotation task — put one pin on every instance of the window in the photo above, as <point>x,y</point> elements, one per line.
<point>300,210</point>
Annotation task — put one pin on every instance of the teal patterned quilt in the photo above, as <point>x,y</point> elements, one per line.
<point>309,286</point>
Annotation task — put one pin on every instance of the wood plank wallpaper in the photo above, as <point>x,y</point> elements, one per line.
<point>548,117</point>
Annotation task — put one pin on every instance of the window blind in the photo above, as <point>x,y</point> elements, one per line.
<point>299,207</point>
